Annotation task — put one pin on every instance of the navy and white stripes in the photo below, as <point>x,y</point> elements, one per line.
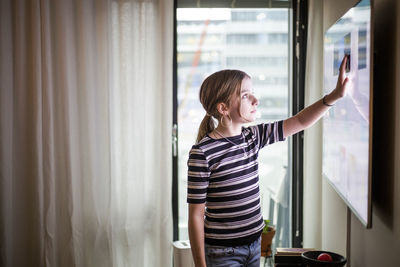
<point>225,178</point>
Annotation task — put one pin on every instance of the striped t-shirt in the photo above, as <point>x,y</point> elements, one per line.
<point>225,178</point>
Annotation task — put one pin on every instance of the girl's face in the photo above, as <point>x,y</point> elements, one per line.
<point>244,111</point>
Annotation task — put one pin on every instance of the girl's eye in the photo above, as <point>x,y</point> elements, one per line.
<point>245,96</point>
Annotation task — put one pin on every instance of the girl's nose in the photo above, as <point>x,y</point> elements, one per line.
<point>255,100</point>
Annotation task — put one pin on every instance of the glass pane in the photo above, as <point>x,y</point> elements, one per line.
<point>255,41</point>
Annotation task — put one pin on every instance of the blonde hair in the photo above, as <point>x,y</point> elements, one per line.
<point>219,87</point>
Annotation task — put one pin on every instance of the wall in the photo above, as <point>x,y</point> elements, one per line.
<point>379,245</point>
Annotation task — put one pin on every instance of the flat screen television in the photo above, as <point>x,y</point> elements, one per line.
<point>347,127</point>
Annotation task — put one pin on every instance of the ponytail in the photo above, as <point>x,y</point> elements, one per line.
<point>206,126</point>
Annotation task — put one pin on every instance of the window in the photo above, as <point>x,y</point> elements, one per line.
<point>255,40</point>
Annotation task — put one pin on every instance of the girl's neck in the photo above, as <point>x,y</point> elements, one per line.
<point>232,130</point>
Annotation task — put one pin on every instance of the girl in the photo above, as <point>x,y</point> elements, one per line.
<point>225,221</point>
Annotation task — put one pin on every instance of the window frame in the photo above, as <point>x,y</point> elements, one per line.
<point>299,40</point>
<point>296,71</point>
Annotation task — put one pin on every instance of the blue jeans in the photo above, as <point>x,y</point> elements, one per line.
<point>241,256</point>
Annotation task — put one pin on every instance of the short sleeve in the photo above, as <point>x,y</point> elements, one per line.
<point>269,133</point>
<point>198,176</point>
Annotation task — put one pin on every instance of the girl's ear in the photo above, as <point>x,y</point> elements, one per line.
<point>222,108</point>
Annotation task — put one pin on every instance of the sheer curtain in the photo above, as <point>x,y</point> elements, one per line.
<point>85,116</point>
<point>312,210</point>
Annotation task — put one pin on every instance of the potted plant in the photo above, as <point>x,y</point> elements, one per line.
<point>266,239</point>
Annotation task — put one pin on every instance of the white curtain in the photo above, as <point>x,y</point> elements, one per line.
<point>312,211</point>
<point>85,118</point>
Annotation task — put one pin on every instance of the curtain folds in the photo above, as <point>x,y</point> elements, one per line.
<point>312,199</point>
<point>86,90</point>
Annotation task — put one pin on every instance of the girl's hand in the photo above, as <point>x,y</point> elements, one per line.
<point>341,85</point>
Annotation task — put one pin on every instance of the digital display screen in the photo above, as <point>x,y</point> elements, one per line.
<point>346,126</point>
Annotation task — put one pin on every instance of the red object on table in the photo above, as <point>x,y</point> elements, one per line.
<point>324,257</point>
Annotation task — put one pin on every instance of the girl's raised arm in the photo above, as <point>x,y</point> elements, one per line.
<point>314,112</point>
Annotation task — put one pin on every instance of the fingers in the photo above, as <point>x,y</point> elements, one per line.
<point>344,61</point>
<point>343,65</point>
<point>342,69</point>
<point>345,82</point>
